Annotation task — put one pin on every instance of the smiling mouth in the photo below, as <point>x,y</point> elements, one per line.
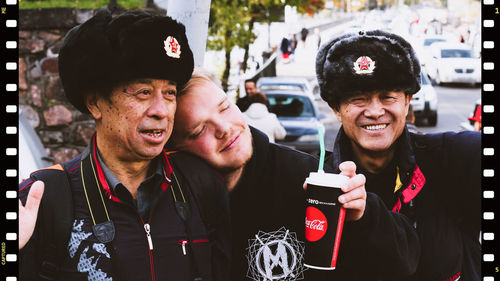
<point>154,133</point>
<point>229,145</point>
<point>375,127</point>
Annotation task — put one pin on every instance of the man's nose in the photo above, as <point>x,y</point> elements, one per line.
<point>374,109</point>
<point>222,128</point>
<point>158,108</point>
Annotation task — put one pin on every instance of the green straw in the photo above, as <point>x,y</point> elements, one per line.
<point>322,147</point>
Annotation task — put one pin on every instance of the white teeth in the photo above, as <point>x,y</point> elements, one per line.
<point>155,133</point>
<point>375,127</point>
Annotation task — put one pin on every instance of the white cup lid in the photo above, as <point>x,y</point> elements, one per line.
<point>326,179</point>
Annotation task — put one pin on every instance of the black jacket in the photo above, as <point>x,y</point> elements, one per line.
<point>128,256</point>
<point>440,194</point>
<point>268,206</point>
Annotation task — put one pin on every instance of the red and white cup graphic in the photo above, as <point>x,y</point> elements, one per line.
<point>324,220</point>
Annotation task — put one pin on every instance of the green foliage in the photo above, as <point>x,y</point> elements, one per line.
<point>228,25</point>
<point>231,22</point>
<point>79,4</point>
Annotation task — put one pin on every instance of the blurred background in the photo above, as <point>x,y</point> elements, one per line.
<point>272,41</point>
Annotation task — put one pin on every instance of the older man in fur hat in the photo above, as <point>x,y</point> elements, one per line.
<point>137,213</point>
<point>368,79</point>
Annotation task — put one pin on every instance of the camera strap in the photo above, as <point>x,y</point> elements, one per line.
<point>103,226</point>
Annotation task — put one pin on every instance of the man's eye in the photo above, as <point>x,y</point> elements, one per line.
<point>197,133</point>
<point>357,100</point>
<point>144,92</point>
<point>172,92</point>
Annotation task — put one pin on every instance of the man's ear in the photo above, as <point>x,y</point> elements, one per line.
<point>91,101</point>
<point>408,98</point>
<point>337,113</point>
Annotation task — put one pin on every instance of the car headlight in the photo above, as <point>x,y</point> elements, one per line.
<point>308,138</point>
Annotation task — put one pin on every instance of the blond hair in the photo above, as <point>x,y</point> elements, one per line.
<point>199,76</point>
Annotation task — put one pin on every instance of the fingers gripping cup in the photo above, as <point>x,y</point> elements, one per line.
<point>324,220</point>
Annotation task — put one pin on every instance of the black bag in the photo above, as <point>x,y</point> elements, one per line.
<point>53,227</point>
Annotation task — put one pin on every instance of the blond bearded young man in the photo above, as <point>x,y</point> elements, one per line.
<point>433,180</point>
<point>267,200</point>
<point>131,211</point>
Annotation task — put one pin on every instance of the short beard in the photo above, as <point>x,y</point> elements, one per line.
<point>231,169</point>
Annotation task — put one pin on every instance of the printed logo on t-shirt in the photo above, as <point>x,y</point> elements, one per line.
<point>316,224</point>
<point>275,256</point>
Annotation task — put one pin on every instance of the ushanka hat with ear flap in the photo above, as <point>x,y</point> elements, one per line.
<point>366,62</point>
<point>104,51</point>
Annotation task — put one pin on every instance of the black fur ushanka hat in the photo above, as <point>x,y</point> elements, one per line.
<point>105,51</point>
<point>372,61</point>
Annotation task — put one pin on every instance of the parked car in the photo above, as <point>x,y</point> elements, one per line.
<point>423,44</point>
<point>32,155</point>
<point>425,102</point>
<point>454,62</point>
<point>298,113</point>
<point>286,83</point>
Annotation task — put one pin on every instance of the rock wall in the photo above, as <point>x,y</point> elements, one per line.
<point>63,130</point>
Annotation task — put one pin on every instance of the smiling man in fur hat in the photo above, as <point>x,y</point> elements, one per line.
<point>368,79</point>
<point>136,212</point>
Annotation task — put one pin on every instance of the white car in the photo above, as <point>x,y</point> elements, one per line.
<point>454,63</point>
<point>423,44</point>
<point>425,102</point>
<point>288,83</point>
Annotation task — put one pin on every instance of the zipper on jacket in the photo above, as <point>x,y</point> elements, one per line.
<point>147,228</point>
<point>183,243</point>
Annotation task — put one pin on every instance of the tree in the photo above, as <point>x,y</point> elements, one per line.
<point>231,24</point>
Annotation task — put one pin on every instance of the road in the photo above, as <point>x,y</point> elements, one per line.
<point>455,104</point>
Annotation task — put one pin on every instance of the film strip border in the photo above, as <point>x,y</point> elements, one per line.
<point>9,139</point>
<point>490,74</point>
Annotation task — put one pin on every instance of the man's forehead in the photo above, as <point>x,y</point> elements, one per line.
<point>374,94</point>
<point>149,81</point>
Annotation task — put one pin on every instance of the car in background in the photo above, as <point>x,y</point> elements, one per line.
<point>32,155</point>
<point>298,114</point>
<point>454,63</point>
<point>423,44</point>
<point>290,83</point>
<point>285,83</point>
<point>425,102</point>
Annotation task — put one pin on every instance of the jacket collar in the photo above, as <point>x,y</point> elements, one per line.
<point>91,151</point>
<point>405,157</point>
<point>260,144</point>
<point>410,174</point>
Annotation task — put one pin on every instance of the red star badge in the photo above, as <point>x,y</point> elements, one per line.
<point>172,47</point>
<point>364,65</point>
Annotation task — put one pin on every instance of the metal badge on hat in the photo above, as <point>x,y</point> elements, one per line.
<point>364,65</point>
<point>172,47</point>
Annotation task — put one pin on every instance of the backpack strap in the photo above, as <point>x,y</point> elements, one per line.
<point>55,219</point>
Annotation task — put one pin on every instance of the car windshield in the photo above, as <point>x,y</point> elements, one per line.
<point>425,79</point>
<point>290,106</point>
<point>282,87</point>
<point>428,42</point>
<point>456,53</point>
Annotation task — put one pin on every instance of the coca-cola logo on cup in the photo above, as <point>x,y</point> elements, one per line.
<point>316,224</point>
